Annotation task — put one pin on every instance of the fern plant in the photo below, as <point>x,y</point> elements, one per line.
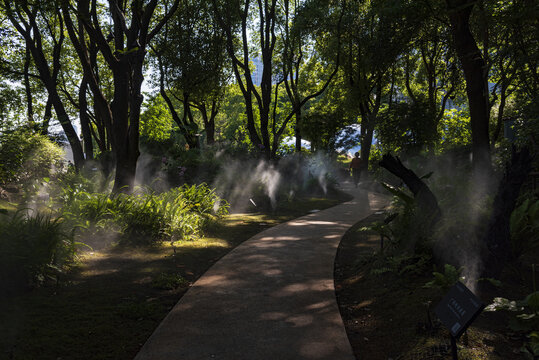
<point>526,319</point>
<point>180,213</point>
<point>524,225</point>
<point>33,248</point>
<point>445,280</point>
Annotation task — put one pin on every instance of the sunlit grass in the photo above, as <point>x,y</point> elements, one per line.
<point>7,206</point>
<point>199,244</point>
<point>135,286</point>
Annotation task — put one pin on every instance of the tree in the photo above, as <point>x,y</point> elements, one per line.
<point>189,55</point>
<point>300,26</point>
<point>475,72</point>
<point>431,78</point>
<point>233,17</point>
<point>99,124</point>
<point>133,27</point>
<point>261,21</point>
<point>377,34</point>
<point>30,20</point>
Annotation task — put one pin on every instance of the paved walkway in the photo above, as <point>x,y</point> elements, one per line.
<point>271,298</point>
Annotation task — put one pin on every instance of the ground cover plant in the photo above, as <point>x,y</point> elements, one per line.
<point>112,301</point>
<point>387,304</point>
<point>394,267</point>
<point>90,274</point>
<point>126,135</point>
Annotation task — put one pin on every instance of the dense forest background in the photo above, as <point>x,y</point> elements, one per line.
<point>139,122</point>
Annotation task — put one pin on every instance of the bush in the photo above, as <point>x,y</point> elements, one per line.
<point>180,213</point>
<point>32,249</point>
<point>27,157</point>
<point>524,225</point>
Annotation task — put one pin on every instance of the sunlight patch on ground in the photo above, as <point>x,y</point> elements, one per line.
<point>201,243</point>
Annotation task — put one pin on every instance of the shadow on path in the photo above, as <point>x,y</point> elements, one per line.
<point>272,297</point>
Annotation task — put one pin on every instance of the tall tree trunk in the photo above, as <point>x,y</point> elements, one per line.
<point>47,115</point>
<point>85,121</point>
<point>367,133</point>
<point>28,90</point>
<point>33,41</point>
<point>125,162</point>
<point>209,121</point>
<point>497,237</point>
<point>475,69</point>
<point>298,130</point>
<point>501,109</point>
<point>67,126</point>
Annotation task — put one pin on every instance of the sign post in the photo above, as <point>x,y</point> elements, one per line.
<point>457,310</point>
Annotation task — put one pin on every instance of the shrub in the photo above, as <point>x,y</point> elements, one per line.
<point>180,213</point>
<point>524,225</point>
<point>408,224</point>
<point>32,249</point>
<point>27,157</point>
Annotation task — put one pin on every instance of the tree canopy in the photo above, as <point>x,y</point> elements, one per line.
<point>414,75</point>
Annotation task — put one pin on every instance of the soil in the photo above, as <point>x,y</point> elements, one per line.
<point>389,314</point>
<point>112,301</point>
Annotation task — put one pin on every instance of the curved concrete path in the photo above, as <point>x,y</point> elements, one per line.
<point>271,298</point>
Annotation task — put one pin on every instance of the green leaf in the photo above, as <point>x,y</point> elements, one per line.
<point>532,301</point>
<point>526,316</point>
<point>399,193</point>
<point>492,281</point>
<point>427,176</point>
<point>517,324</point>
<point>500,303</point>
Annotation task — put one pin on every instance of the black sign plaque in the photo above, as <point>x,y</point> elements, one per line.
<point>458,309</point>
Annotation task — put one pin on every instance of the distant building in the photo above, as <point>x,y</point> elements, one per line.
<point>257,72</point>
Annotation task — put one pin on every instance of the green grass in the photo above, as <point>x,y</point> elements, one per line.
<point>111,303</point>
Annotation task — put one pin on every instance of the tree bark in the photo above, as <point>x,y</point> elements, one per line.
<point>31,33</point>
<point>209,121</point>
<point>85,121</point>
<point>497,237</point>
<point>28,90</point>
<point>475,72</point>
<point>298,130</point>
<point>426,200</point>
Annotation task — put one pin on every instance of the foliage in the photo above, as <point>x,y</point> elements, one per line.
<point>408,228</point>
<point>454,130</point>
<point>401,264</point>
<point>201,199</point>
<point>155,121</point>
<point>525,321</point>
<point>191,166</point>
<point>33,248</point>
<point>180,213</point>
<point>27,157</point>
<point>445,280</point>
<point>524,225</point>
<point>407,127</point>
<point>169,281</point>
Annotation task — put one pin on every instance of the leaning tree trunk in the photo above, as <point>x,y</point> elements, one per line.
<point>474,68</point>
<point>497,237</point>
<point>426,200</point>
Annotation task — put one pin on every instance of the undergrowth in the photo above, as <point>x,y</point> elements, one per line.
<point>34,248</point>
<point>145,218</point>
